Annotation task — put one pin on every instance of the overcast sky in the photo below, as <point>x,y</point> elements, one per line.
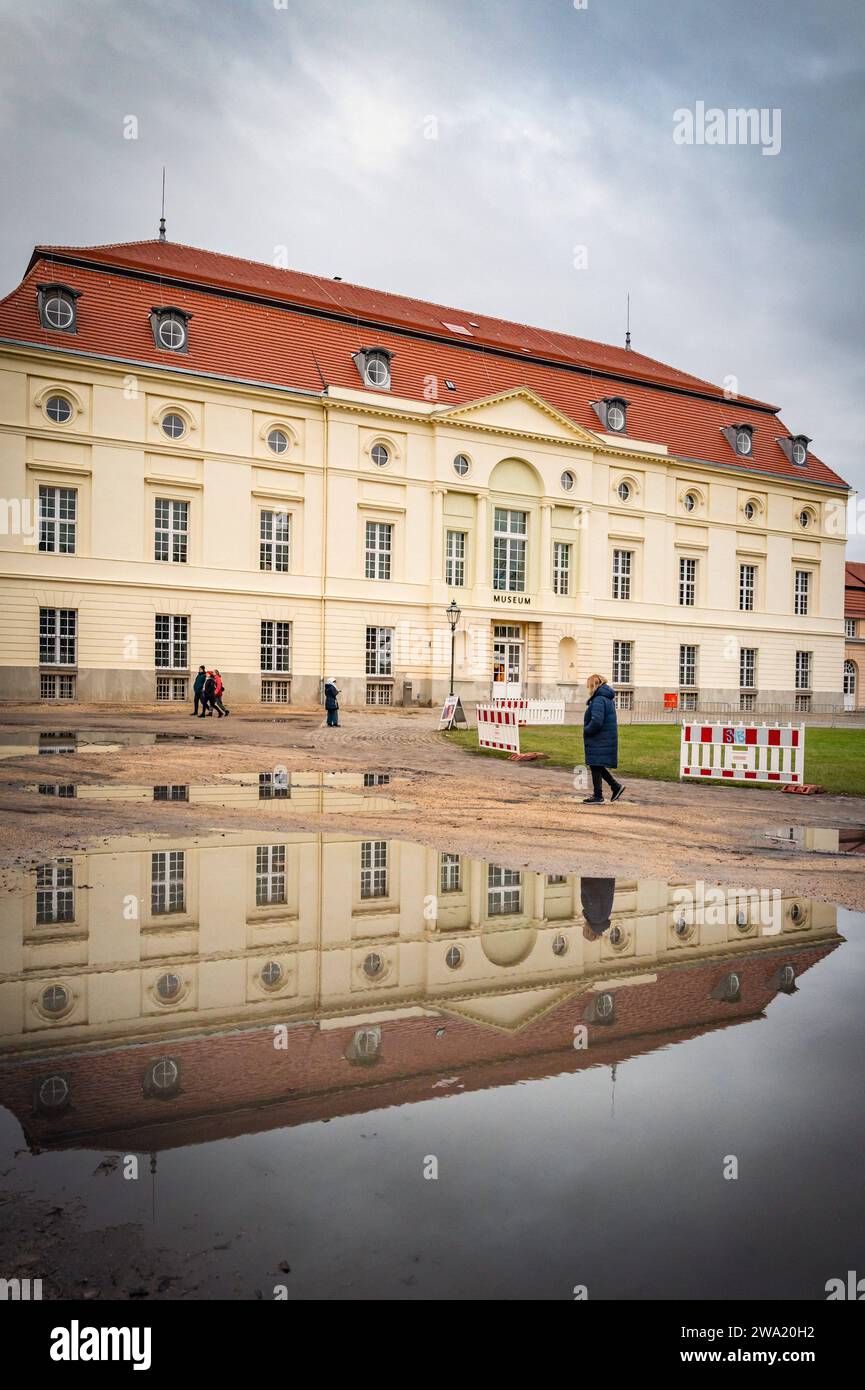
<point>460,150</point>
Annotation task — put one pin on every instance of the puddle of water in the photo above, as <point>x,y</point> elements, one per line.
<point>305,791</point>
<point>846,839</point>
<point>406,1074</point>
<point>26,742</point>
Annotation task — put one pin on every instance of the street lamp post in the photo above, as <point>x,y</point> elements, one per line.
<point>452,613</point>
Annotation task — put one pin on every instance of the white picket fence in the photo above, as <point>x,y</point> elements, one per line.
<point>533,711</point>
<point>743,753</point>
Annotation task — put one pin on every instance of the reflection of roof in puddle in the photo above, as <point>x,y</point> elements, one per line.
<point>305,791</point>
<point>818,839</point>
<point>174,989</point>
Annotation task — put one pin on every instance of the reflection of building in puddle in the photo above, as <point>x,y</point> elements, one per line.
<point>845,839</point>
<point>307,791</point>
<point>27,742</point>
<point>153,975</point>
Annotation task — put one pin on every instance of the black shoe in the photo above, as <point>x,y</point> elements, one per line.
<point>618,792</point>
<point>593,801</point>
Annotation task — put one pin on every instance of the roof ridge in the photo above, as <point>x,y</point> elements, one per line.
<point>323,281</point>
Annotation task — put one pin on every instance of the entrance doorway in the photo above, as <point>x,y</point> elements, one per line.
<point>508,656</point>
<point>849,685</point>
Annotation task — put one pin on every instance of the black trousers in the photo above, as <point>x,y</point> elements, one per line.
<point>199,700</point>
<point>599,776</point>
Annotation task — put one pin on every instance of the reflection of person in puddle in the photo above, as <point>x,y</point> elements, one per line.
<point>596,900</point>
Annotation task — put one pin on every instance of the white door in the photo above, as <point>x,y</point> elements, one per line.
<point>849,685</point>
<point>507,663</point>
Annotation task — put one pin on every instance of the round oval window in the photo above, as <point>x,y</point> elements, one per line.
<point>59,312</point>
<point>379,455</point>
<point>58,409</point>
<point>173,426</point>
<point>277,441</point>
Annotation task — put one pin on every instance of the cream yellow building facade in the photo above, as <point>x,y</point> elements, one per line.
<point>163,516</point>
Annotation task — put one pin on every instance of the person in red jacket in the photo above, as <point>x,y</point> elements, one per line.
<point>217,695</point>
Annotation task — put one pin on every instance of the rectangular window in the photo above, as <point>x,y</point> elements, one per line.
<point>171,642</point>
<point>803,704</point>
<point>57,634</point>
<point>687,582</point>
<point>64,789</point>
<point>504,891</point>
<point>376,779</point>
<point>171,688</point>
<point>379,651</point>
<point>58,508</point>
<point>687,665</point>
<point>455,559</point>
<point>55,892</point>
<point>802,593</point>
<point>849,627</point>
<point>274,550</point>
<point>622,570</point>
<point>509,550</point>
<point>171,791</point>
<point>803,670</point>
<point>561,567</point>
<point>56,687</point>
<point>167,882</point>
<point>275,692</point>
<point>747,668</point>
<point>275,646</point>
<point>274,786</point>
<point>747,701</point>
<point>622,662</point>
<point>269,875</point>
<point>171,542</point>
<point>379,546</point>
<point>747,587</point>
<point>451,879</point>
<point>373,869</point>
<point>624,699</point>
<point>378,694</point>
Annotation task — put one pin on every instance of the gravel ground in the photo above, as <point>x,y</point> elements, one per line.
<point>522,815</point>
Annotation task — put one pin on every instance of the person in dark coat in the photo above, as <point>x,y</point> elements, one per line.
<point>208,695</point>
<point>198,690</point>
<point>596,900</point>
<point>331,703</point>
<point>601,739</point>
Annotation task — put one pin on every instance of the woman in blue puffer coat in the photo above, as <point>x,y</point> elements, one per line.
<point>601,739</point>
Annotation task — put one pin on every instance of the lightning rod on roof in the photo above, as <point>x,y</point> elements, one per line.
<point>628,326</point>
<point>162,218</point>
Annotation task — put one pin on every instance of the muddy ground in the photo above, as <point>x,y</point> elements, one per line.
<point>522,815</point>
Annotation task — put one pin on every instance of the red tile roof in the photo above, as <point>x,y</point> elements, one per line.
<point>297,331</point>
<point>854,590</point>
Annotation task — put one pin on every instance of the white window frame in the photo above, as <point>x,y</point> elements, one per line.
<point>689,654</point>
<point>378,559</point>
<point>171,530</point>
<point>687,581</point>
<point>504,891</point>
<point>804,666</point>
<point>379,651</point>
<point>167,882</point>
<point>510,550</point>
<point>274,540</point>
<point>275,642</point>
<point>58,533</point>
<point>747,587</point>
<point>171,640</point>
<point>373,869</point>
<point>450,873</point>
<point>270,877</point>
<point>562,568</point>
<point>623,570</point>
<point>801,593</point>
<point>748,668</point>
<point>623,662</point>
<point>58,637</point>
<point>455,559</point>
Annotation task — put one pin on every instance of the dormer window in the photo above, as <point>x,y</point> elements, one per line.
<point>612,411</point>
<point>374,367</point>
<point>740,438</point>
<point>170,328</point>
<point>795,446</point>
<point>57,309</point>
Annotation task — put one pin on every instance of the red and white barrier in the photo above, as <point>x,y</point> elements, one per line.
<point>533,711</point>
<point>743,753</point>
<point>498,728</point>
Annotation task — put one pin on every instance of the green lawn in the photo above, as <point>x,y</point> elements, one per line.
<point>834,758</point>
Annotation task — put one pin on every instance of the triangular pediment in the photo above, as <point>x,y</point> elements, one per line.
<point>518,411</point>
<point>508,1012</point>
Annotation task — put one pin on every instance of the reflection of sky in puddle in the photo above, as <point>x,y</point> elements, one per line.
<point>845,839</point>
<point>288,1028</point>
